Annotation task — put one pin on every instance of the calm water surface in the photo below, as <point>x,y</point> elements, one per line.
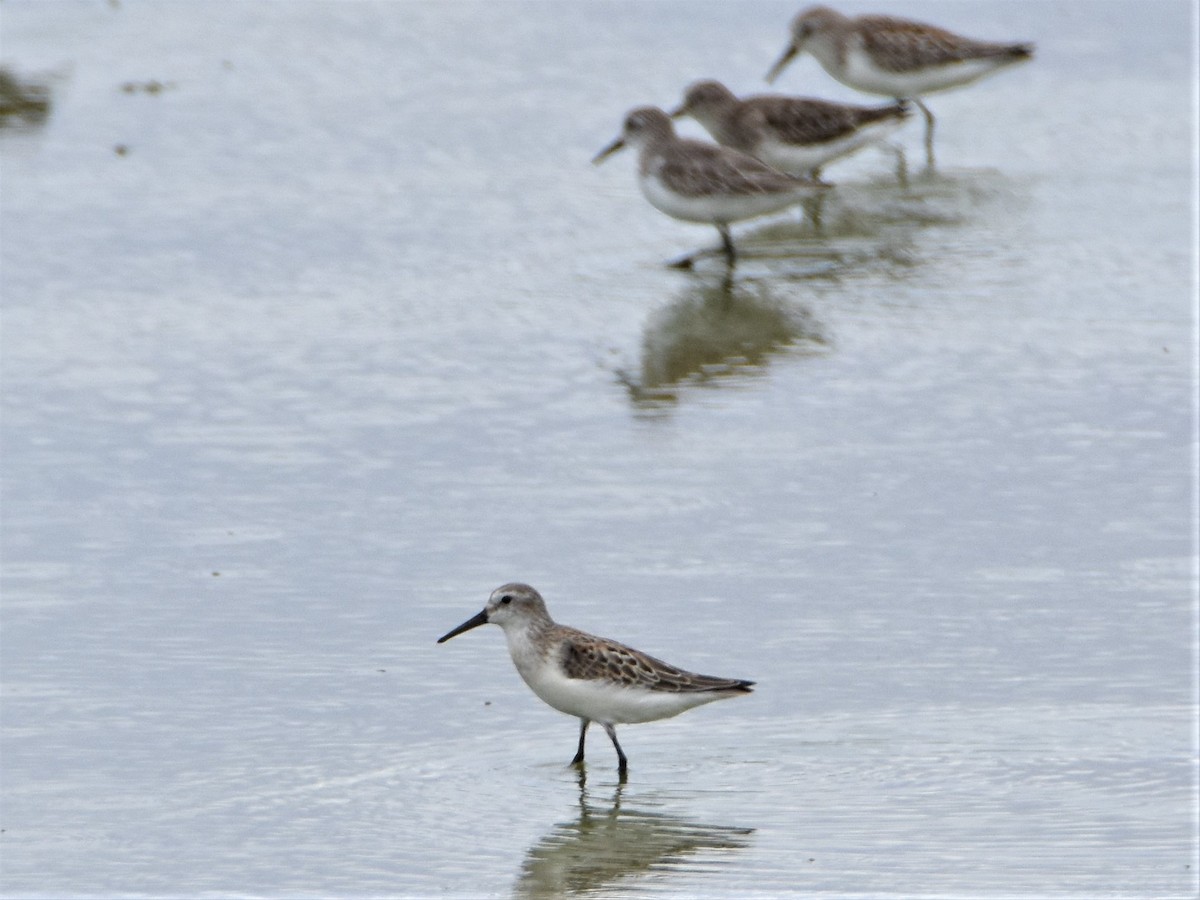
<point>318,325</point>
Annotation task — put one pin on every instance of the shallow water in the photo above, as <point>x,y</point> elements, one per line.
<point>349,332</point>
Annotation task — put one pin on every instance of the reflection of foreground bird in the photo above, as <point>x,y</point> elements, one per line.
<point>895,57</point>
<point>615,847</point>
<point>698,182</point>
<point>593,678</point>
<point>796,135</point>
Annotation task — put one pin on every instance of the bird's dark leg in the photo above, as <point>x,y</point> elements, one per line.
<point>689,261</point>
<point>622,762</point>
<point>584,723</point>
<point>730,256</point>
<point>901,163</point>
<point>928,133</point>
<point>685,262</point>
<point>727,289</point>
<point>810,208</point>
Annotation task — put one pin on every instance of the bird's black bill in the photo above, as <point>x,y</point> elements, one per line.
<point>608,151</point>
<point>473,622</point>
<point>788,55</point>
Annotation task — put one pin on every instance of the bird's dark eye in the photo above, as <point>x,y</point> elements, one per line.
<point>506,599</point>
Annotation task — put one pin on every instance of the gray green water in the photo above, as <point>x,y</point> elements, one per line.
<point>350,332</point>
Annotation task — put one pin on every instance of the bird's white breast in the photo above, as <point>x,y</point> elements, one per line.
<point>712,208</point>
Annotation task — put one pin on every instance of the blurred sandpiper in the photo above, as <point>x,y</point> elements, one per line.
<point>796,135</point>
<point>895,57</point>
<point>699,182</point>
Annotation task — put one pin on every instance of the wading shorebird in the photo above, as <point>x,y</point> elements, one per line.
<point>698,182</point>
<point>796,135</point>
<point>895,57</point>
<point>591,677</point>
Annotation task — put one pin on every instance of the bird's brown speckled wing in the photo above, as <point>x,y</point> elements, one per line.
<point>592,658</point>
<point>696,169</point>
<point>901,46</point>
<point>800,121</point>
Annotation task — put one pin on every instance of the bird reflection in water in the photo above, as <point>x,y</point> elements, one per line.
<point>714,332</point>
<point>24,102</point>
<point>607,845</point>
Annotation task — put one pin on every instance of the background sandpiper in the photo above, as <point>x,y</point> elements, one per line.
<point>591,677</point>
<point>699,182</point>
<point>895,57</point>
<point>796,135</point>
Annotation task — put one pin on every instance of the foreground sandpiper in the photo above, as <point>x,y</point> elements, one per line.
<point>895,57</point>
<point>698,182</point>
<point>590,677</point>
<point>796,135</point>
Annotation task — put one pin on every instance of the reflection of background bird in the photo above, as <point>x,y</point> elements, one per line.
<point>604,846</point>
<point>23,102</point>
<point>895,57</point>
<point>714,330</point>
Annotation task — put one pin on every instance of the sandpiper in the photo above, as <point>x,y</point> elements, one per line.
<point>699,182</point>
<point>590,677</point>
<point>895,57</point>
<point>796,135</point>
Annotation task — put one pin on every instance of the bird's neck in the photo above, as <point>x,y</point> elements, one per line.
<point>716,121</point>
<point>528,652</point>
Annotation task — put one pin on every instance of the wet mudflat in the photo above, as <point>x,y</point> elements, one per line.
<point>308,349</point>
